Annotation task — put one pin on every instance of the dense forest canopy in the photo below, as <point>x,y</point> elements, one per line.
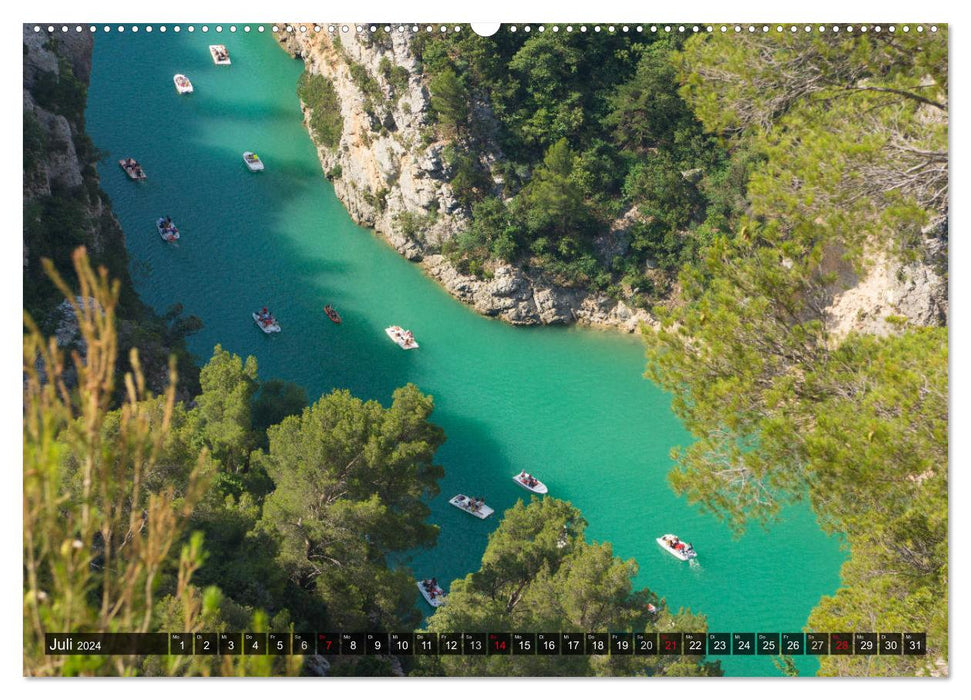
<point>591,130</point>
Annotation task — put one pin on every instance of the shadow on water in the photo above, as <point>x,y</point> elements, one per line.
<point>475,466</point>
<point>249,239</point>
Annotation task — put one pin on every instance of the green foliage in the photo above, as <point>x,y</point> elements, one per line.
<point>395,75</point>
<point>412,226</point>
<point>365,81</point>
<point>221,420</point>
<point>99,528</point>
<point>35,143</point>
<point>449,99</point>
<point>539,574</point>
<point>490,236</point>
<point>588,127</point>
<point>553,203</point>
<point>781,408</point>
<point>350,477</point>
<point>61,92</point>
<point>320,97</point>
<point>469,181</point>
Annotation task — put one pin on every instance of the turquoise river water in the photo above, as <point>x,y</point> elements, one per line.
<point>570,405</point>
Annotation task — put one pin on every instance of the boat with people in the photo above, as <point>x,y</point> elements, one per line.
<point>472,506</point>
<point>673,545</point>
<point>265,320</point>
<point>220,56</point>
<point>530,483</point>
<point>167,229</point>
<point>405,339</point>
<point>132,168</point>
<point>252,161</point>
<point>433,594</point>
<point>332,314</point>
<point>183,85</point>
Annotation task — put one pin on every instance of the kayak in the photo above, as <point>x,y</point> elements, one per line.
<point>332,314</point>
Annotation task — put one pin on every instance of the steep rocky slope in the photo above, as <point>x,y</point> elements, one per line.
<point>58,157</point>
<point>893,290</point>
<point>389,171</point>
<point>64,207</point>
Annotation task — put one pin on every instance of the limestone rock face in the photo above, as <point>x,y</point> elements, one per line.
<point>394,177</point>
<point>891,291</point>
<point>56,165</point>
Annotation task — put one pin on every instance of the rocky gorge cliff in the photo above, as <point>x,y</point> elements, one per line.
<point>893,290</point>
<point>389,171</point>
<point>57,153</point>
<point>64,207</point>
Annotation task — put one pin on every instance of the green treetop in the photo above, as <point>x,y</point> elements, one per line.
<point>539,574</point>
<point>350,477</point>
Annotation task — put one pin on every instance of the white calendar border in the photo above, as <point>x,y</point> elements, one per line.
<point>825,11</point>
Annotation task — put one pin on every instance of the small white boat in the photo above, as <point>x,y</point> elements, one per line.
<point>433,594</point>
<point>404,339</point>
<point>472,506</point>
<point>252,161</point>
<point>132,169</point>
<point>167,229</point>
<point>676,548</point>
<point>183,85</point>
<point>220,56</point>
<point>530,483</point>
<point>266,323</point>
